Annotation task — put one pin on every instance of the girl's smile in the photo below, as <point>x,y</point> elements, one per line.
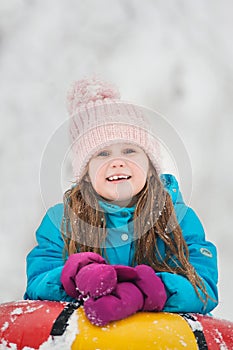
<point>118,178</point>
<point>119,172</point>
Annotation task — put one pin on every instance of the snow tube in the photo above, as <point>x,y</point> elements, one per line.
<point>27,325</point>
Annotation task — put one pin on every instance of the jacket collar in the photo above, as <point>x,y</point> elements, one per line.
<point>171,186</point>
<point>115,209</point>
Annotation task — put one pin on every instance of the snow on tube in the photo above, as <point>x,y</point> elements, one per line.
<point>43,325</point>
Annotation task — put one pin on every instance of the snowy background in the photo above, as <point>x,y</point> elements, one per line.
<point>172,56</point>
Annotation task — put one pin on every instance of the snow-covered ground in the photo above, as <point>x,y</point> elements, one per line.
<point>172,56</point>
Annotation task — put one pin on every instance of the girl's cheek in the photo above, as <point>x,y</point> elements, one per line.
<point>97,172</point>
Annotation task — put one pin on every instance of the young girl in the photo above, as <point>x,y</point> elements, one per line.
<point>123,241</point>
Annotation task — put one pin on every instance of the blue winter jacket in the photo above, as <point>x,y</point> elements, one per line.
<point>45,262</point>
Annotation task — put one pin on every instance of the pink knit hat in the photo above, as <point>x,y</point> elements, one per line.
<point>99,118</point>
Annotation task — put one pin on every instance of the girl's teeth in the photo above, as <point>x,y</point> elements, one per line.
<point>115,177</point>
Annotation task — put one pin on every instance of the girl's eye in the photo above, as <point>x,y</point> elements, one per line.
<point>103,154</point>
<point>129,150</point>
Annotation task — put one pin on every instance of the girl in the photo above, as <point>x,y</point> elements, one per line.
<point>123,240</point>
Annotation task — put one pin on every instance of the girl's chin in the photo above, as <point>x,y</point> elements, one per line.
<point>122,202</point>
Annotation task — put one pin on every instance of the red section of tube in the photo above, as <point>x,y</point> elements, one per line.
<point>28,323</point>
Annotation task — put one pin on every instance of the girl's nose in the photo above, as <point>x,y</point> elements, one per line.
<point>117,163</point>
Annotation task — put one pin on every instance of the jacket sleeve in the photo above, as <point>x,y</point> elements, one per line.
<point>203,256</point>
<point>45,262</point>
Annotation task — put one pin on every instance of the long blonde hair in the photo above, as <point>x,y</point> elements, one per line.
<point>84,229</point>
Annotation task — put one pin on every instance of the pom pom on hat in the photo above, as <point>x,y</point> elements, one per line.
<point>87,91</point>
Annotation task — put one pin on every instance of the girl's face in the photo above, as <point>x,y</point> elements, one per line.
<point>119,172</point>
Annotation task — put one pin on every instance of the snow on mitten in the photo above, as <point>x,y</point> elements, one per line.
<point>124,301</point>
<point>74,264</point>
<point>96,280</point>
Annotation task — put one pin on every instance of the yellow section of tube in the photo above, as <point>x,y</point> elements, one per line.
<point>144,330</point>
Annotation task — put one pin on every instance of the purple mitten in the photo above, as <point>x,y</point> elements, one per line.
<point>96,280</point>
<point>124,301</point>
<point>73,265</point>
<point>152,288</point>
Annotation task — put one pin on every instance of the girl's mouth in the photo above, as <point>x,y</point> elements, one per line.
<point>118,178</point>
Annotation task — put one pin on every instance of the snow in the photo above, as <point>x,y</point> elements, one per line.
<point>219,340</point>
<point>183,343</point>
<point>17,311</point>
<point>10,346</point>
<point>195,325</point>
<point>66,340</point>
<point>172,57</point>
<point>5,326</point>
<point>32,309</point>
